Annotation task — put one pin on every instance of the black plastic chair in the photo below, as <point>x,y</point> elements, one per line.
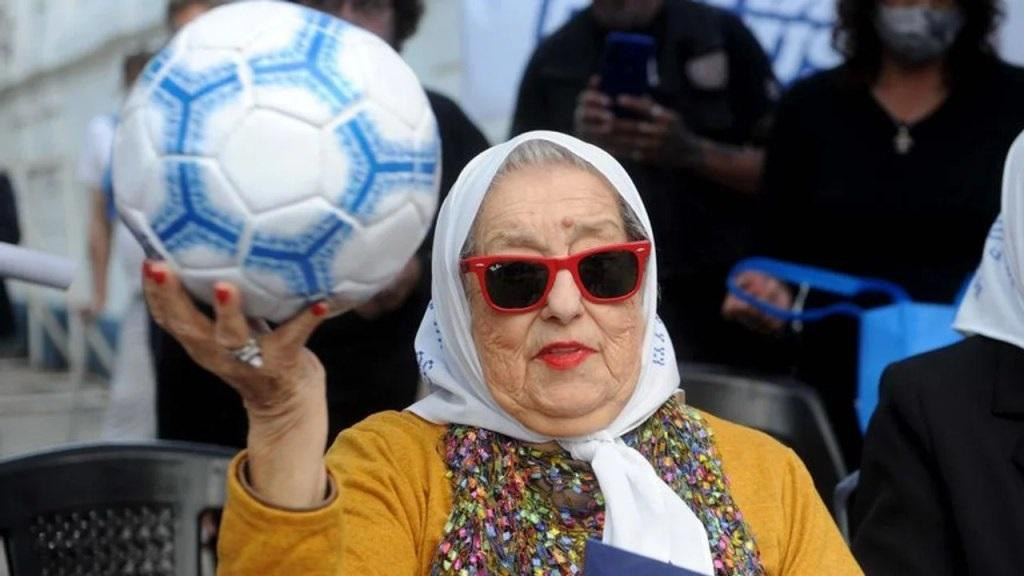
<point>842,500</point>
<point>782,407</point>
<point>145,508</point>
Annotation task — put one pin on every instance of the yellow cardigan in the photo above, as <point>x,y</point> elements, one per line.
<point>393,500</point>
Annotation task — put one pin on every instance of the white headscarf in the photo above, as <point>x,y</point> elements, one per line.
<point>994,305</point>
<point>642,513</point>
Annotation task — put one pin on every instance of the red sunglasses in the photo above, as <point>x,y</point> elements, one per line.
<point>604,275</point>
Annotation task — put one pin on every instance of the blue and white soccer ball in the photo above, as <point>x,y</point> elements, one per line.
<point>280,149</point>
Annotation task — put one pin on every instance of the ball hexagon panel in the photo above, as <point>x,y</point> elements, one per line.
<point>374,255</point>
<point>273,160</point>
<point>307,71</point>
<point>421,190</point>
<point>293,249</point>
<point>392,85</point>
<point>196,104</point>
<point>134,157</point>
<point>196,217</point>
<point>235,27</point>
<point>381,158</point>
<point>152,73</point>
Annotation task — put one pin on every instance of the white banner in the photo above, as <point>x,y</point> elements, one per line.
<point>498,37</point>
<point>796,34</point>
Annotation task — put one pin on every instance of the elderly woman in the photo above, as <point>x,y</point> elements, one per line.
<point>554,415</point>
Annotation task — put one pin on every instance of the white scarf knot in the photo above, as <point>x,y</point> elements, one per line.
<point>586,448</point>
<point>642,499</point>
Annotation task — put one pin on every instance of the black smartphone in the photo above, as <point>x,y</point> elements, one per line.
<point>628,66</point>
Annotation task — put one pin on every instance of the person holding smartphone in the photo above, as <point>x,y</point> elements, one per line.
<point>679,92</point>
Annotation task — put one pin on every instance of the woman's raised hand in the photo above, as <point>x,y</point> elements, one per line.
<point>284,396</point>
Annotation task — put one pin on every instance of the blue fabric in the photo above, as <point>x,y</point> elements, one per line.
<point>604,560</point>
<point>888,333</point>
<point>894,332</point>
<point>108,193</point>
<point>107,185</point>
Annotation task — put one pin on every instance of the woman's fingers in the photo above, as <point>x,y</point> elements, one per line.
<point>210,341</point>
<point>231,329</point>
<point>170,305</point>
<point>293,334</point>
<point>643,106</point>
<point>593,116</point>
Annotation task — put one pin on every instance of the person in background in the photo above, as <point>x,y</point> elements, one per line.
<point>363,376</point>
<point>10,232</point>
<point>690,145</point>
<point>887,166</point>
<point>942,480</point>
<point>130,412</point>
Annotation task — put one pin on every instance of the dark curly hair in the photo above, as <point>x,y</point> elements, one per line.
<point>857,40</point>
<point>407,13</point>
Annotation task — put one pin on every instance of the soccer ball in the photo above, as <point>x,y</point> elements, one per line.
<point>280,149</point>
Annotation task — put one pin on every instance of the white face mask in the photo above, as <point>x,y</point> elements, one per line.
<point>916,35</point>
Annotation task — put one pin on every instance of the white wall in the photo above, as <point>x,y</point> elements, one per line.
<point>60,65</point>
<point>435,52</point>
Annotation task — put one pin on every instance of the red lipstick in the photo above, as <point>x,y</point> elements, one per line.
<point>564,355</point>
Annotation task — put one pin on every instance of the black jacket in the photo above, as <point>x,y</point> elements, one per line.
<point>942,478</point>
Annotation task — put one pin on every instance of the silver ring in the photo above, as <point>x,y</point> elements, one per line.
<point>249,353</point>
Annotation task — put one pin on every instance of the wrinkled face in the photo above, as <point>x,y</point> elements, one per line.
<point>568,368</point>
<point>626,14</point>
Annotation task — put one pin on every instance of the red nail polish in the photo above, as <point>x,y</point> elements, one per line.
<point>159,276</point>
<point>223,294</point>
<point>318,309</point>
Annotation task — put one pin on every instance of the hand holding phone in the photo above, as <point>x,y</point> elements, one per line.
<point>628,67</point>
<point>593,119</point>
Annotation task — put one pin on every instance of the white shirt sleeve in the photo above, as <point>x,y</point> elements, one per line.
<point>95,154</point>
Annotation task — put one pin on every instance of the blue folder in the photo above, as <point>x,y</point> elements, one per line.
<point>604,560</point>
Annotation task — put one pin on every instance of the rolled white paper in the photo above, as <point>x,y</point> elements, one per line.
<point>35,266</point>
